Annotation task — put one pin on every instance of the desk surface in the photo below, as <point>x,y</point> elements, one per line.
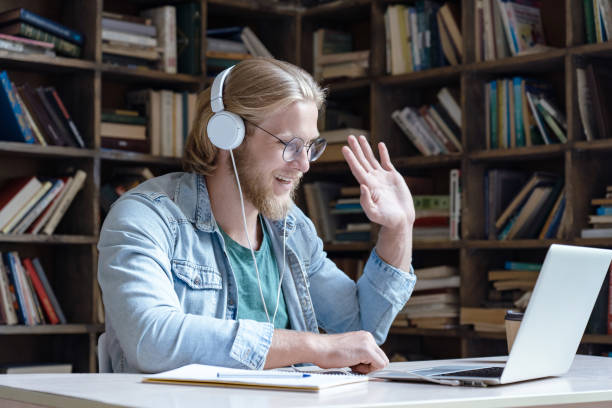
<point>589,381</point>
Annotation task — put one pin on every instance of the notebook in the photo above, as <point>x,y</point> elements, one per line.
<point>552,326</point>
<point>199,374</point>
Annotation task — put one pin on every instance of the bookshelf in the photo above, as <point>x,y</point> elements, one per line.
<point>87,85</point>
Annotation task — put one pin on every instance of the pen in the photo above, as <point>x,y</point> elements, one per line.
<point>266,375</point>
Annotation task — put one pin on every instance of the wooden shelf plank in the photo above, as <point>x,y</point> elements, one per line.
<point>441,244</point>
<point>134,157</point>
<point>335,7</point>
<point>51,329</point>
<point>512,244</point>
<point>598,49</point>
<point>148,75</point>
<point>531,152</point>
<point>26,149</point>
<point>535,62</point>
<point>255,6</point>
<point>10,60</point>
<point>49,239</point>
<point>447,73</point>
<point>594,242</point>
<point>603,145</point>
<point>427,161</point>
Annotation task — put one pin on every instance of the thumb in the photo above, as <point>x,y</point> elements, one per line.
<point>366,198</point>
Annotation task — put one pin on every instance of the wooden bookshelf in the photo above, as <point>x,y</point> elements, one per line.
<point>70,256</point>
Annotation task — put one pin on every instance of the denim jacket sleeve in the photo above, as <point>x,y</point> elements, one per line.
<point>154,333</point>
<point>371,304</point>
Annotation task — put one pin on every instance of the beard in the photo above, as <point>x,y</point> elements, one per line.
<point>258,190</point>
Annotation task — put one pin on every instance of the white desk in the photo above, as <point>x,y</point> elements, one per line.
<point>589,383</point>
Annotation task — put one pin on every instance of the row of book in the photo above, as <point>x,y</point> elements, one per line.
<point>434,303</point>
<point>594,89</point>
<point>29,205</point>
<point>523,206</point>
<point>338,216</point>
<point>157,122</point>
<point>26,296</point>
<point>601,221</point>
<point>422,37</point>
<point>334,56</point>
<point>42,36</point>
<point>507,27</point>
<point>36,116</point>
<point>597,20</point>
<point>227,46</point>
<point>167,38</point>
<point>522,112</point>
<point>433,129</point>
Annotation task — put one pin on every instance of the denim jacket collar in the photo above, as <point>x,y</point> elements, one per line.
<point>199,211</point>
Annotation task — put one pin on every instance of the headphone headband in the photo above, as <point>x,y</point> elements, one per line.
<point>216,92</point>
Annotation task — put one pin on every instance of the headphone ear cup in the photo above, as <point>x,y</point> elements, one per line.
<point>225,130</point>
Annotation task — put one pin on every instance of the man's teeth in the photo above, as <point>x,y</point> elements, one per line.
<point>283,179</point>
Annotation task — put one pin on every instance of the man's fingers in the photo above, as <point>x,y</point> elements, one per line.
<point>369,154</point>
<point>385,160</point>
<point>358,151</point>
<point>354,164</point>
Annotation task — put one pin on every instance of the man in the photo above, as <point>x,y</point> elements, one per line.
<point>175,267</point>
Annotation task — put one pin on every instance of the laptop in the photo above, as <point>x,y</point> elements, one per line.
<point>552,326</point>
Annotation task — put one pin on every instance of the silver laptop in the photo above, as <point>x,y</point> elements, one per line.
<point>553,324</point>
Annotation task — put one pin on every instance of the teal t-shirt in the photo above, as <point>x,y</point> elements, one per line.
<point>250,305</point>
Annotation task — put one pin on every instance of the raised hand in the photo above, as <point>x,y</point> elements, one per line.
<point>385,197</point>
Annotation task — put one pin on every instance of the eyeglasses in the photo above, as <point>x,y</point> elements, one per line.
<point>294,147</point>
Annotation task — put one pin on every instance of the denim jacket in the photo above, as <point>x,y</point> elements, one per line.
<point>170,294</point>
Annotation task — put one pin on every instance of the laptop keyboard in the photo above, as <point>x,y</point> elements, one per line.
<point>492,372</point>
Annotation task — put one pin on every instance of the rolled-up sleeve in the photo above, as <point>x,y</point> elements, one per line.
<point>154,333</point>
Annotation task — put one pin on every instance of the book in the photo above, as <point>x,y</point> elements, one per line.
<point>49,290</point>
<point>450,18</point>
<point>449,102</point>
<point>26,207</point>
<point>15,127</point>
<point>254,44</point>
<point>44,202</point>
<point>14,195</point>
<point>476,315</point>
<point>62,46</point>
<point>164,18</point>
<point>438,283</point>
<point>51,26</point>
<point>123,131</point>
<point>65,116</point>
<point>524,266</point>
<point>41,292</point>
<point>341,135</point>
<point>118,24</point>
<point>504,274</point>
<point>65,201</point>
<point>39,114</point>
<point>199,374</point>
<point>54,116</point>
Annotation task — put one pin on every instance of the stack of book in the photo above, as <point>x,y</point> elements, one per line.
<point>31,205</point>
<point>26,297</point>
<point>535,211</point>
<point>121,180</point>
<point>337,123</point>
<point>522,112</point>
<point>169,119</point>
<point>129,41</point>
<point>597,20</point>
<point>420,37</point>
<point>432,217</point>
<point>434,303</point>
<point>507,27</point>
<point>36,116</point>
<point>318,195</point>
<point>336,139</point>
<point>124,129</point>
<point>601,221</point>
<point>484,319</point>
<point>433,129</point>
<point>50,36</point>
<point>227,46</point>
<point>334,56</point>
<point>594,89</point>
<point>511,287</point>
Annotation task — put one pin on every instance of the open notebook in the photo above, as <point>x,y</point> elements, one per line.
<point>199,374</point>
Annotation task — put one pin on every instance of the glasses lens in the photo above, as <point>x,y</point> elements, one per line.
<point>316,149</point>
<point>293,149</point>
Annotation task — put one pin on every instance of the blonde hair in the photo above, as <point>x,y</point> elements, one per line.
<point>255,88</point>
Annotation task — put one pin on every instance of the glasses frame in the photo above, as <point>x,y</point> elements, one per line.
<point>286,144</point>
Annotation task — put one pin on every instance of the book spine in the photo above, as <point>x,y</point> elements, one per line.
<point>36,132</point>
<point>129,27</point>
<point>37,313</point>
<point>61,46</point>
<point>65,202</point>
<point>609,331</point>
<point>20,289</point>
<point>32,215</point>
<point>134,39</point>
<point>40,291</point>
<point>48,103</point>
<point>49,290</point>
<point>8,299</point>
<point>165,20</point>
<point>17,298</point>
<point>17,128</point>
<point>455,204</point>
<point>52,27</point>
<point>589,21</point>
<point>67,119</point>
<point>518,112</point>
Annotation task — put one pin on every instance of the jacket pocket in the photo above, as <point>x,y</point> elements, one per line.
<point>196,276</point>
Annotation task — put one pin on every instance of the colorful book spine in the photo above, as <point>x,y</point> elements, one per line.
<point>16,289</point>
<point>40,291</point>
<point>61,46</point>
<point>51,26</point>
<point>522,266</point>
<point>49,290</point>
<point>13,119</point>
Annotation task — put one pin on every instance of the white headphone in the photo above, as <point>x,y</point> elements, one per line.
<point>225,129</point>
